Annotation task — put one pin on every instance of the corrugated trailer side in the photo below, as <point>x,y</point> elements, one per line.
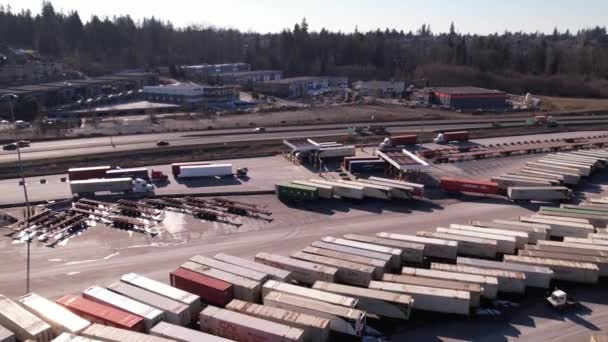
<point>377,302</point>
<point>430,299</point>
<point>6,335</point>
<point>240,327</point>
<point>193,301</point>
<point>467,245</point>
<point>521,238</point>
<point>561,247</point>
<point>348,272</point>
<point>301,271</point>
<point>418,188</point>
<point>378,265</point>
<point>177,333</point>
<point>560,218</point>
<point>273,272</point>
<point>175,312</point>
<point>67,337</point>
<point>244,288</point>
<point>394,252</point>
<point>411,252</point>
<point>331,298</point>
<point>562,228</point>
<point>508,281</point>
<point>387,258</point>
<point>575,271</point>
<point>230,268</point>
<point>102,314</point>
<point>60,318</point>
<point>323,191</point>
<point>602,263</point>
<point>536,276</point>
<point>435,248</point>
<point>111,334</point>
<point>24,324</point>
<point>210,290</point>
<point>587,241</point>
<point>315,328</point>
<point>474,289</point>
<point>489,285</point>
<point>575,246</point>
<point>504,244</point>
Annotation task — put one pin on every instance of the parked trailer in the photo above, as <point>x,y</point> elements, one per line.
<point>176,167</point>
<point>6,335</point>
<point>210,290</point>
<point>467,245</point>
<point>489,285</point>
<point>378,265</point>
<point>315,328</point>
<point>91,186</point>
<point>295,192</point>
<point>536,276</point>
<point>474,290</point>
<point>593,217</point>
<point>601,209</point>
<point>67,337</point>
<point>323,191</point>
<point>539,193</point>
<point>175,312</point>
<point>418,188</point>
<point>337,152</point>
<point>22,323</point>
<point>433,248</point>
<point>60,318</point>
<point>102,314</point>
<point>386,258</point>
<point>376,302</point>
<point>182,334</point>
<point>551,181</point>
<point>560,218</point>
<point>504,244</point>
<point>566,178</point>
<point>429,298</point>
<point>534,233</point>
<point>366,166</point>
<point>342,190</point>
<point>600,242</point>
<point>212,170</point>
<point>342,319</point>
<point>573,162</point>
<point>244,288</point>
<point>191,300</point>
<point>371,190</point>
<point>411,252</point>
<point>568,247</point>
<point>348,272</point>
<point>301,271</point>
<point>82,173</point>
<point>598,236</point>
<point>230,268</point>
<point>554,168</point>
<point>469,185</point>
<point>562,228</point>
<point>273,272</point>
<point>394,252</point>
<point>504,182</point>
<point>111,334</point>
<point>580,272</point>
<point>508,281</point>
<point>602,263</point>
<point>138,172</point>
<point>521,238</point>
<point>295,290</point>
<point>524,225</point>
<point>582,169</point>
<point>100,295</point>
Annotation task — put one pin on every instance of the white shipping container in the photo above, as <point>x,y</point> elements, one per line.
<point>430,299</point>
<point>565,177</point>
<point>230,268</point>
<point>175,312</point>
<point>411,252</point>
<point>245,328</point>
<point>67,337</point>
<point>60,318</point>
<point>565,247</point>
<point>273,272</point>
<point>24,324</point>
<point>475,290</point>
<point>371,190</point>
<point>602,263</point>
<point>348,272</point>
<point>324,191</point>
<point>300,291</point>
<point>377,302</point>
<point>521,238</point>
<point>536,276</point>
<point>214,170</point>
<point>395,252</point>
<point>337,152</point>
<point>582,169</point>
<point>301,271</point>
<point>418,188</point>
<point>508,281</point>
<point>378,265</point>
<point>560,228</point>
<point>244,288</point>
<point>397,191</point>
<point>534,234</point>
<point>587,241</point>
<point>342,190</point>
<point>489,285</point>
<point>436,248</point>
<point>560,218</point>
<point>505,181</point>
<point>580,272</point>
<point>177,333</point>
<point>467,245</point>
<point>100,295</point>
<point>342,319</point>
<point>110,334</point>
<point>599,236</point>
<point>315,328</point>
<point>551,181</point>
<point>6,335</point>
<point>504,244</point>
<point>387,258</point>
<point>193,301</point>
<point>539,193</point>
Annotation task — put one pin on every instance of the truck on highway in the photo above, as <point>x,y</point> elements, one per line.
<point>539,193</point>
<point>116,185</point>
<point>24,324</point>
<point>138,172</point>
<point>176,167</point>
<point>211,170</point>
<point>399,140</point>
<point>448,137</point>
<point>82,173</point>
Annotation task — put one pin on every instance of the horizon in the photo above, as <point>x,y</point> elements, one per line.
<point>266,17</point>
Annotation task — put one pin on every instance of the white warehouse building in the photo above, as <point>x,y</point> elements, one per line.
<point>191,94</point>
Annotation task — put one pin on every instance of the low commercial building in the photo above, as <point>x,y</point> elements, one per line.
<point>379,88</point>
<point>191,95</point>
<point>247,79</point>
<point>209,72</point>
<point>470,98</point>
<point>301,86</point>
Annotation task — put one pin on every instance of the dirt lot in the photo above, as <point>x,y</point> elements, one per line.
<point>566,104</point>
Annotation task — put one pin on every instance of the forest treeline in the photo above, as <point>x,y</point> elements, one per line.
<point>561,63</point>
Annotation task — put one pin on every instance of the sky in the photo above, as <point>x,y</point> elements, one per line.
<point>469,16</point>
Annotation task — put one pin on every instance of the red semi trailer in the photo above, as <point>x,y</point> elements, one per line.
<point>102,314</point>
<point>212,291</point>
<point>469,185</point>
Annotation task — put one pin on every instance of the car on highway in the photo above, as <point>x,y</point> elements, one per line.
<point>23,143</point>
<point>10,147</point>
<point>162,143</point>
<point>259,129</point>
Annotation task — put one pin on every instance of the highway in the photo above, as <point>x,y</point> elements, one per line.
<point>88,146</point>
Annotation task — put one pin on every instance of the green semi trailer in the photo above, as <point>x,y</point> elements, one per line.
<point>296,192</point>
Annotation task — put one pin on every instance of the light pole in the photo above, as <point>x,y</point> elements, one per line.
<point>27,219</point>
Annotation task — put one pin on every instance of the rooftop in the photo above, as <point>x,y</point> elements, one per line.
<point>252,72</point>
<point>404,160</point>
<point>466,90</point>
<point>297,79</point>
